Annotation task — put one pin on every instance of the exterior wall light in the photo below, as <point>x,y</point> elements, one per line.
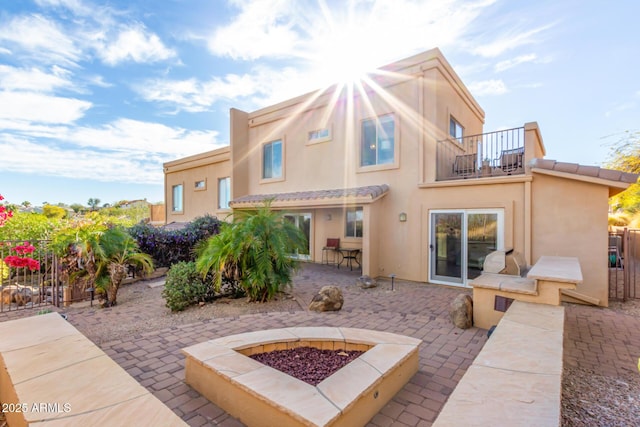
<point>402,217</point>
<point>327,217</point>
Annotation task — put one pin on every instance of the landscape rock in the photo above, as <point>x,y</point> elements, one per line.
<point>366,282</point>
<point>461,311</point>
<point>329,298</point>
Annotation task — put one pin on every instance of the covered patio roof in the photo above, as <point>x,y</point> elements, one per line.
<point>315,198</point>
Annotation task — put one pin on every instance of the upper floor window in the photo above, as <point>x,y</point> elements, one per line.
<point>272,160</point>
<point>200,185</point>
<point>377,145</point>
<point>455,129</point>
<point>354,222</point>
<point>319,135</point>
<point>177,193</point>
<point>224,192</point>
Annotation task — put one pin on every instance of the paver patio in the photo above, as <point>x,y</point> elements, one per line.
<point>604,340</point>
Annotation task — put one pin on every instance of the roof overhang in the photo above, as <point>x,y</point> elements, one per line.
<point>616,181</point>
<point>314,198</point>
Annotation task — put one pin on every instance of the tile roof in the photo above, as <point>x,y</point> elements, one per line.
<point>371,192</point>
<point>588,171</point>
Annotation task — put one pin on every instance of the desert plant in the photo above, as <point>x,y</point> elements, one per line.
<point>116,251</point>
<point>78,245</point>
<point>255,251</point>
<point>185,286</point>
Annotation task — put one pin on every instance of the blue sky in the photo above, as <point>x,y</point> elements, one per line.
<point>95,96</point>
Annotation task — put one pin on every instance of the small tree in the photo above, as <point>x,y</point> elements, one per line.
<point>625,156</point>
<point>117,251</point>
<point>93,203</point>
<point>255,250</point>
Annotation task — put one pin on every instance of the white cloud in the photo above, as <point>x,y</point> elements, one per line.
<point>30,157</point>
<point>284,28</point>
<point>40,108</point>
<point>510,40</point>
<point>34,79</point>
<point>193,95</point>
<point>122,151</point>
<point>76,6</point>
<point>137,45</point>
<point>488,87</point>
<point>513,62</point>
<point>144,139</point>
<point>41,38</point>
<point>261,29</point>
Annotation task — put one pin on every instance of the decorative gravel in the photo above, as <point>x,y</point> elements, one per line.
<point>308,364</point>
<point>590,399</point>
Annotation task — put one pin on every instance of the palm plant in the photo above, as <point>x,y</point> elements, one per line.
<point>255,250</point>
<point>100,255</point>
<point>118,250</point>
<point>80,244</point>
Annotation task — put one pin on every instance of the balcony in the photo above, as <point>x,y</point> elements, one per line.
<point>500,153</point>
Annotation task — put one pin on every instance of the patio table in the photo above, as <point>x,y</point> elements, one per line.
<point>350,255</point>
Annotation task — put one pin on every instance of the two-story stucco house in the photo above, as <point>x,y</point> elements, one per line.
<point>398,167</point>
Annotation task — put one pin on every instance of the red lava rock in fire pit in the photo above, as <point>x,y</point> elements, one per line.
<point>308,364</point>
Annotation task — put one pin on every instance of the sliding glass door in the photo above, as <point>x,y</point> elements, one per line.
<point>459,242</point>
<point>303,222</point>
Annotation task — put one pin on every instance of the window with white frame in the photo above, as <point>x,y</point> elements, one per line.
<point>319,135</point>
<point>177,196</point>
<point>377,145</point>
<point>455,129</point>
<point>353,222</point>
<point>272,160</point>
<point>224,192</point>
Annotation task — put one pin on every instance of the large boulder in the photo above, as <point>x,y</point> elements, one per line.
<point>461,311</point>
<point>329,298</point>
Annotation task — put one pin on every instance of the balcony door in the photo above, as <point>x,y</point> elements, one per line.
<point>459,242</point>
<point>303,222</point>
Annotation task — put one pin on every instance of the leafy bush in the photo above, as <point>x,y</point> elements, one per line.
<point>28,226</point>
<point>185,286</point>
<point>168,247</point>
<point>253,251</point>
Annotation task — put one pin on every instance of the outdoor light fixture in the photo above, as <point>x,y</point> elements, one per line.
<point>402,217</point>
<point>327,217</point>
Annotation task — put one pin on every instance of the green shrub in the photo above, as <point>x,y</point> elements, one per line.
<point>185,286</point>
<point>253,251</point>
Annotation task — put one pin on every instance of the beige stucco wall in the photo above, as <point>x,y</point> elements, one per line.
<point>570,219</point>
<point>210,167</point>
<point>543,215</point>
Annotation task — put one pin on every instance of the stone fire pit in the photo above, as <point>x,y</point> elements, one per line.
<point>258,395</point>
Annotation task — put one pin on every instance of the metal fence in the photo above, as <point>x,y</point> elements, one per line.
<point>29,276</point>
<point>489,154</point>
<point>624,266</point>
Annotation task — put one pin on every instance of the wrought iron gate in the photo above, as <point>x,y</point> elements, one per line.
<point>29,276</point>
<point>624,267</point>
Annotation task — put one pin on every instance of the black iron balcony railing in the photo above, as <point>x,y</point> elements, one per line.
<point>490,154</point>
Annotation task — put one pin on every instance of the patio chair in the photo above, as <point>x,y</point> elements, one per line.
<point>465,164</point>
<point>512,160</point>
<point>331,246</point>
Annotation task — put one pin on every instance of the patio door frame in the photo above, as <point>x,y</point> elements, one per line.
<point>464,240</point>
<point>304,215</point>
